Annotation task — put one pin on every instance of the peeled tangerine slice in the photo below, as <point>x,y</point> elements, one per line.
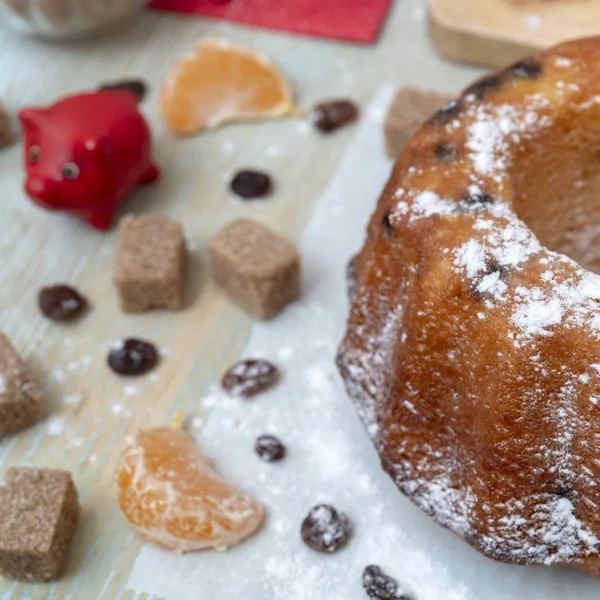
<point>219,83</point>
<point>172,497</point>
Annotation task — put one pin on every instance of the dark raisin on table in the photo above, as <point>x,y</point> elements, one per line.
<point>380,586</point>
<point>269,448</point>
<point>251,184</point>
<point>133,357</point>
<point>325,529</point>
<point>61,302</point>
<point>248,378</point>
<point>137,87</point>
<point>329,116</point>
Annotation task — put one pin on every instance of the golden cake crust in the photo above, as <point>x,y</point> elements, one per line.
<point>473,345</point>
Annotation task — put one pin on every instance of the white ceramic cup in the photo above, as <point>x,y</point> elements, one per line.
<point>63,19</point>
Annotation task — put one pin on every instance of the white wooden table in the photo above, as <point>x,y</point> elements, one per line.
<point>92,410</point>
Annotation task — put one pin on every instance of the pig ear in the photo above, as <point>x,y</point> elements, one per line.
<point>30,118</point>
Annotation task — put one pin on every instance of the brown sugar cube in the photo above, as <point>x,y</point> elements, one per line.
<point>39,511</point>
<point>6,136</point>
<point>410,109</point>
<point>150,263</point>
<point>21,403</point>
<point>258,270</point>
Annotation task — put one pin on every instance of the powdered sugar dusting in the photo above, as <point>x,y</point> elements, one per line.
<point>555,534</point>
<point>494,128</point>
<point>561,61</point>
<point>535,316</point>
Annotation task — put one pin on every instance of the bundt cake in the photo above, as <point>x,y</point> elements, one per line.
<point>473,345</point>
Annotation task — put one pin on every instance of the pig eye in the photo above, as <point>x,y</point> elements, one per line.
<point>70,171</point>
<point>34,154</point>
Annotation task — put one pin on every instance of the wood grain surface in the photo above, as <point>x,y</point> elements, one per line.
<point>495,32</point>
<point>91,409</point>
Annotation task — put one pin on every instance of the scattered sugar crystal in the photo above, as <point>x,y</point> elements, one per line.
<point>303,127</point>
<point>55,426</point>
<point>72,399</point>
<point>318,378</point>
<point>286,353</point>
<point>76,442</point>
<point>532,21</point>
<point>377,114</point>
<point>57,374</point>
<point>228,147</point>
<point>196,423</point>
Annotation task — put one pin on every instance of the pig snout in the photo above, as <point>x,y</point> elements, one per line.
<point>36,187</point>
<point>40,190</point>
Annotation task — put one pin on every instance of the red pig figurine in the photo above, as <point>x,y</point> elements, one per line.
<point>86,154</point>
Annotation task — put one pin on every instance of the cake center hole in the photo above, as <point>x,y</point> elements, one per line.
<point>556,182</point>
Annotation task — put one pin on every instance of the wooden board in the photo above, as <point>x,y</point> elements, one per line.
<point>495,32</point>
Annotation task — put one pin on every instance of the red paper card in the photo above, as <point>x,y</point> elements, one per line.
<point>352,20</point>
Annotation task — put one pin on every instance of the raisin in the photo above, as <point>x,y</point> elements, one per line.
<point>351,283</point>
<point>480,88</point>
<point>386,223</point>
<point>445,152</point>
<point>564,491</point>
<point>526,69</point>
<point>447,113</point>
<point>248,378</point>
<point>492,267</point>
<point>133,357</point>
<point>329,116</point>
<point>269,448</point>
<point>136,86</point>
<point>325,529</point>
<point>61,302</point>
<point>251,184</point>
<point>380,586</point>
<point>478,199</point>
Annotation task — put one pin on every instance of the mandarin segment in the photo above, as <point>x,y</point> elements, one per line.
<point>219,83</point>
<point>172,497</point>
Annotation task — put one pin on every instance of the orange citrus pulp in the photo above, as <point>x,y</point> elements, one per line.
<point>172,497</point>
<point>219,83</point>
